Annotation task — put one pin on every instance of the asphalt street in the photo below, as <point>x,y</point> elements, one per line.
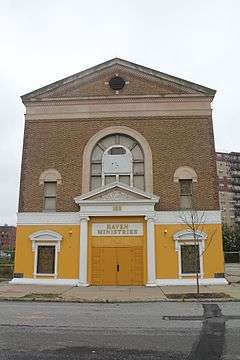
<point>175,331</point>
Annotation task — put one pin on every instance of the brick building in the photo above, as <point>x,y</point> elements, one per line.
<point>112,157</point>
<point>7,237</point>
<point>228,169</point>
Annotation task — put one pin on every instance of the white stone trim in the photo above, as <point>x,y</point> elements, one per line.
<point>176,282</point>
<point>48,218</point>
<point>141,196</point>
<point>45,238</point>
<point>139,208</point>
<point>151,266</point>
<point>158,282</point>
<point>187,234</point>
<point>98,109</point>
<point>50,175</point>
<point>175,217</point>
<point>57,249</point>
<point>185,173</point>
<point>49,235</point>
<point>121,130</point>
<point>29,281</point>
<point>83,257</point>
<point>186,237</point>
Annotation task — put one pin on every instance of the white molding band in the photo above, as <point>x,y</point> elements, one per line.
<point>48,218</point>
<point>105,108</point>
<point>176,217</point>
<point>176,282</point>
<point>29,281</point>
<point>72,218</point>
<point>158,282</point>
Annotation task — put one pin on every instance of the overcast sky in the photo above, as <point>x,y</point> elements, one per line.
<point>45,40</point>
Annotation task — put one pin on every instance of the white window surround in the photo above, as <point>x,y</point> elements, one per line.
<point>148,171</point>
<point>45,238</point>
<point>186,237</point>
<point>185,173</point>
<point>50,175</point>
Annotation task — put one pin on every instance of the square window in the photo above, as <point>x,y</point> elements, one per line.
<point>190,259</point>
<point>46,259</point>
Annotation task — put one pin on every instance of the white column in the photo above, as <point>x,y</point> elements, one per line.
<point>151,270</point>
<point>83,258</point>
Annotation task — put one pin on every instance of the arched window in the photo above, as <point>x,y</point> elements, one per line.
<point>50,178</point>
<point>117,157</point>
<point>185,175</point>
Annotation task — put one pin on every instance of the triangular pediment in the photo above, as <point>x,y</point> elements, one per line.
<point>139,81</point>
<point>116,192</point>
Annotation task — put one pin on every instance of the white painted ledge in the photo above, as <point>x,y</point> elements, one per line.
<point>176,282</point>
<point>29,281</point>
<point>158,282</point>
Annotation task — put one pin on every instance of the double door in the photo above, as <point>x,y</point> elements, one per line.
<point>117,266</point>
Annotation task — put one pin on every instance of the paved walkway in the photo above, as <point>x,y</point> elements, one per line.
<point>117,293</point>
<point>107,293</point>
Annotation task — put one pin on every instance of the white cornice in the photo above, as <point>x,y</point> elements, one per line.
<point>116,108</point>
<point>73,218</point>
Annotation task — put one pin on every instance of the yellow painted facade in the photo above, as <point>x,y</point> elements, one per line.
<point>118,250</point>
<point>167,266</point>
<point>68,256</point>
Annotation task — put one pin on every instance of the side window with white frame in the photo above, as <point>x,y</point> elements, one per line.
<point>185,176</point>
<point>50,179</point>
<point>190,248</point>
<point>186,194</point>
<point>46,246</point>
<point>50,195</point>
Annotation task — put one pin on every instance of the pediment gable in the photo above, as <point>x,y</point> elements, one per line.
<point>139,81</point>
<point>116,192</point>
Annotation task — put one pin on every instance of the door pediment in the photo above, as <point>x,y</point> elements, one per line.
<point>116,192</point>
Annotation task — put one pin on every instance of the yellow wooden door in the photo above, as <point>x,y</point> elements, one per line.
<point>124,266</point>
<point>130,266</point>
<point>104,266</point>
<point>117,266</point>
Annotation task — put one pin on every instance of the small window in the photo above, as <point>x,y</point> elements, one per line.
<point>190,259</point>
<point>185,194</point>
<point>117,151</point>
<point>46,259</point>
<point>50,194</point>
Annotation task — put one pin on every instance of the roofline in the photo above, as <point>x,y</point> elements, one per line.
<point>101,66</point>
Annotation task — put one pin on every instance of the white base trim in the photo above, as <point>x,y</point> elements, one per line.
<point>176,282</point>
<point>158,282</point>
<point>29,281</point>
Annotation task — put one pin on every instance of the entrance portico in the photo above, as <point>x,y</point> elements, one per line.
<point>117,222</point>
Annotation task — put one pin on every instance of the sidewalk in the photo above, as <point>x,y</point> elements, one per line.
<point>121,293</point>
<point>110,293</point>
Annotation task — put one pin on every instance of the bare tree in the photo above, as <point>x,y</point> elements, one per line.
<point>195,220</point>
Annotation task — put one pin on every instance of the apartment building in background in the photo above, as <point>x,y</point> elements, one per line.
<point>7,237</point>
<point>228,170</point>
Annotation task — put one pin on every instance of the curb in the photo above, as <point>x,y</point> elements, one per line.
<point>109,301</point>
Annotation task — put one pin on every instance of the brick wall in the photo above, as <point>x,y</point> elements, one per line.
<point>174,142</point>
